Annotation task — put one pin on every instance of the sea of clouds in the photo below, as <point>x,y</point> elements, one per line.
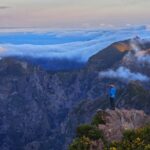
<point>74,44</point>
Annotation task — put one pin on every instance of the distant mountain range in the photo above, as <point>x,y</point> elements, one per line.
<point>40,109</point>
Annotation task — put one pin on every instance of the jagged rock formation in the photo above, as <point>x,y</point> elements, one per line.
<point>116,122</point>
<point>40,110</point>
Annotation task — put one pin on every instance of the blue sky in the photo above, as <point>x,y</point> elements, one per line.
<point>73,13</point>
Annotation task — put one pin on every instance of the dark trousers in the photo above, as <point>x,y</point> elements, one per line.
<point>112,103</point>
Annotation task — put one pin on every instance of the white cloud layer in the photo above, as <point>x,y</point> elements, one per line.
<point>72,44</point>
<point>123,73</point>
<point>139,55</point>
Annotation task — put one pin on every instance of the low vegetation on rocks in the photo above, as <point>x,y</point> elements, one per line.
<point>94,136</point>
<point>133,140</point>
<point>86,134</point>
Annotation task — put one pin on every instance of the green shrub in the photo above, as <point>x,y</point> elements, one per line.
<point>147,147</point>
<point>144,133</point>
<point>129,135</point>
<point>95,134</point>
<point>134,140</point>
<point>82,143</point>
<point>83,130</point>
<point>97,119</point>
<point>89,131</point>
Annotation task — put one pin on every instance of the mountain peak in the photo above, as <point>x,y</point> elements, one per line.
<point>122,47</point>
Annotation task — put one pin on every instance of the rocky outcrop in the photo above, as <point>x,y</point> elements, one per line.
<point>108,126</point>
<point>116,122</point>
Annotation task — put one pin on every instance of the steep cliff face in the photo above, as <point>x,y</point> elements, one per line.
<point>34,104</point>
<point>40,109</point>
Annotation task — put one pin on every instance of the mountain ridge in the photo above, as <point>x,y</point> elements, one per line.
<point>44,107</point>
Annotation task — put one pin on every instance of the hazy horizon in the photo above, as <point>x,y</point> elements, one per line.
<point>73,14</point>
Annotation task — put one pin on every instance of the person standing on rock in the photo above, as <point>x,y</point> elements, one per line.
<point>112,95</point>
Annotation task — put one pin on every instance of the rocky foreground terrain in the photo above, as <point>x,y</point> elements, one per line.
<point>109,126</point>
<point>40,109</point>
<point>120,120</point>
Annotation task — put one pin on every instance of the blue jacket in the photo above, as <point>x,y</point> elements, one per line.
<point>112,92</point>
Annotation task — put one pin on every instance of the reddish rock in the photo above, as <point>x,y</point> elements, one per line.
<point>117,121</point>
